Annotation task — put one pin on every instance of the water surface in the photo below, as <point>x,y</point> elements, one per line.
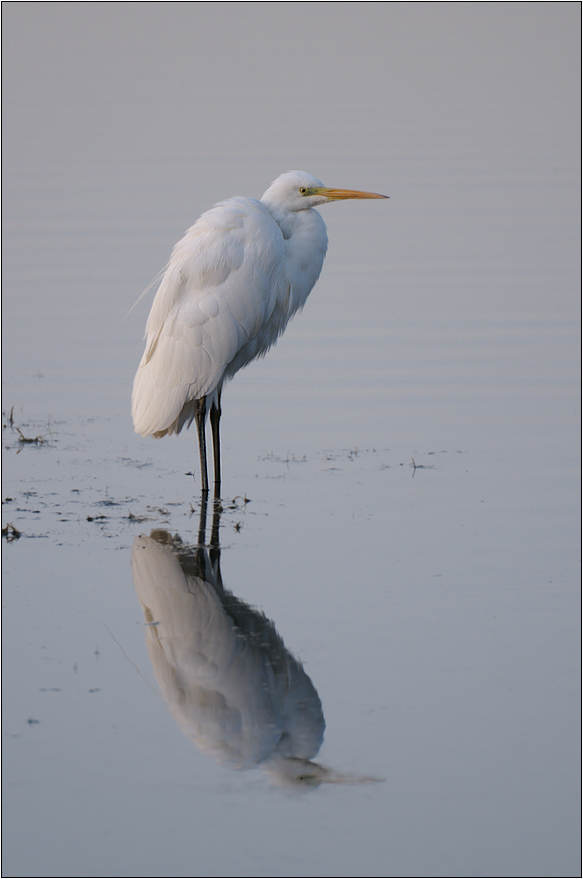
<point>400,473</point>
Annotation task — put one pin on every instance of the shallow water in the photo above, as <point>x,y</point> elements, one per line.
<point>400,473</point>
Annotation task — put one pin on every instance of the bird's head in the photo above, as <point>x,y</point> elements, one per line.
<point>298,191</point>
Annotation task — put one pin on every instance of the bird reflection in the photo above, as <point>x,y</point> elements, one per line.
<point>223,669</point>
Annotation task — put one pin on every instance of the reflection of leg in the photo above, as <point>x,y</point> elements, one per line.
<point>214,548</point>
<point>217,510</point>
<point>202,519</point>
<point>216,521</point>
<point>200,416</point>
<point>215,429</point>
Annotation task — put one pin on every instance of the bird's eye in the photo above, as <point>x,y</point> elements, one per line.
<point>303,190</point>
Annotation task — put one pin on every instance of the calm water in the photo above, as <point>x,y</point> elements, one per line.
<point>399,535</point>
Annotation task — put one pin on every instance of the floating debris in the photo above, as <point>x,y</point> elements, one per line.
<point>416,466</point>
<point>37,440</point>
<point>134,518</point>
<point>10,532</point>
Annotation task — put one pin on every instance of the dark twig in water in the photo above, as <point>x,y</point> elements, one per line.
<point>10,532</point>
<point>131,662</point>
<point>420,466</point>
<point>37,440</point>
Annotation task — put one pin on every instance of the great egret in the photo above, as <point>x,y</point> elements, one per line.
<point>225,674</point>
<point>231,286</point>
<point>223,669</point>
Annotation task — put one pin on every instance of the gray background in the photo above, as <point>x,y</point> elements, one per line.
<point>435,608</point>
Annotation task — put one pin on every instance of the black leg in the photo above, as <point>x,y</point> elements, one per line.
<point>200,416</point>
<point>215,422</point>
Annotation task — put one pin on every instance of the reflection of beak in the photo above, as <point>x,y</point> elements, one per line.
<point>337,194</point>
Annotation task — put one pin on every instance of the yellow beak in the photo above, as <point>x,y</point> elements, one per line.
<point>337,194</point>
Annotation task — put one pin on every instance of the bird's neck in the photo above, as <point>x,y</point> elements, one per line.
<point>288,221</point>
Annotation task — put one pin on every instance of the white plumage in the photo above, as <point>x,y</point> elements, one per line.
<point>224,671</point>
<point>225,674</point>
<point>231,286</point>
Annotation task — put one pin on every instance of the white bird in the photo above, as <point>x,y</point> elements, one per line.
<point>223,669</point>
<point>228,292</point>
<point>225,674</point>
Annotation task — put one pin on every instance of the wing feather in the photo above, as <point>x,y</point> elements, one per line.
<point>222,285</point>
